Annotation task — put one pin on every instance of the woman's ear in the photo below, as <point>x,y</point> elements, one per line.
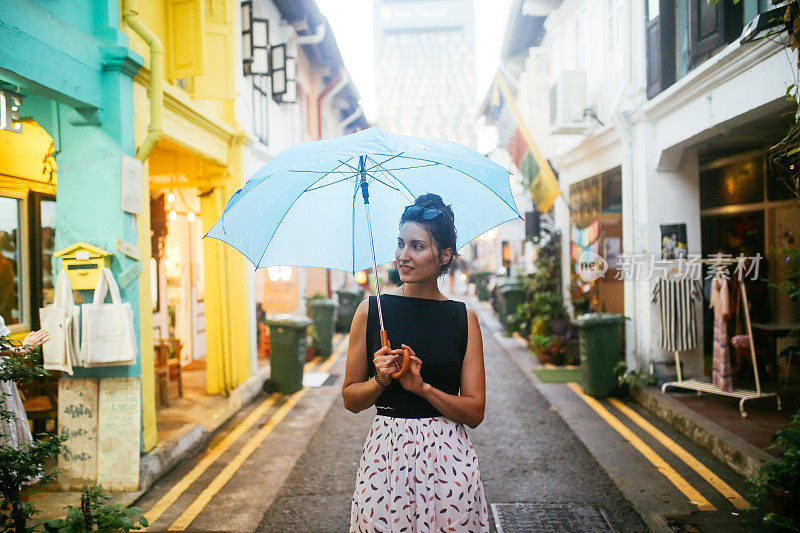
<point>446,255</point>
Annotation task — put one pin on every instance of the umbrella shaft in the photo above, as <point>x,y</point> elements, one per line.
<point>374,266</point>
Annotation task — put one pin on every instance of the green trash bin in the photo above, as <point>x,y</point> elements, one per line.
<point>511,293</point>
<point>322,314</point>
<point>600,351</point>
<point>482,285</point>
<point>287,337</point>
<point>348,303</point>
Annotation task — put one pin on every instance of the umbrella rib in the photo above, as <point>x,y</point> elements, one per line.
<point>317,171</point>
<point>287,212</point>
<point>375,178</point>
<point>382,162</point>
<point>380,165</point>
<point>462,172</point>
<point>412,168</point>
<point>331,183</point>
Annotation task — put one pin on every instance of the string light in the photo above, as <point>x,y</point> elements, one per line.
<point>172,215</point>
<point>171,198</point>
<point>190,216</point>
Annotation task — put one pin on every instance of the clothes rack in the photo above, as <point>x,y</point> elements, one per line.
<point>702,386</point>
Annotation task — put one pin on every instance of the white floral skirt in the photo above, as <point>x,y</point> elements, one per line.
<point>418,475</point>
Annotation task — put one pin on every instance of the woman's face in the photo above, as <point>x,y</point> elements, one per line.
<point>416,254</point>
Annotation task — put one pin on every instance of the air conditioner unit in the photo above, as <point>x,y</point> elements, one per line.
<point>567,102</point>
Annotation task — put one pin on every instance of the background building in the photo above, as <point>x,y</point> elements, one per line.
<point>425,68</point>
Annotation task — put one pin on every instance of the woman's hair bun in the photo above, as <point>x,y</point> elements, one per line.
<point>434,200</point>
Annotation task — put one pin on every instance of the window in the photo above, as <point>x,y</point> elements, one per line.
<point>11,296</point>
<point>261,109</point>
<point>682,34</point>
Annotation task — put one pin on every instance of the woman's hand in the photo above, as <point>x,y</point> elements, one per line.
<point>35,338</point>
<point>412,380</point>
<point>385,361</point>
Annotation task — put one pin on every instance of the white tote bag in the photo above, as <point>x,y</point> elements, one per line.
<point>107,337</point>
<point>60,320</point>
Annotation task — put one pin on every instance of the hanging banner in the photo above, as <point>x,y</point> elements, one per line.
<point>536,172</point>
<point>586,236</point>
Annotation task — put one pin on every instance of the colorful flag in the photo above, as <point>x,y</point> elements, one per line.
<point>536,172</point>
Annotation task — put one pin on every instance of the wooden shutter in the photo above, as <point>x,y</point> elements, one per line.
<point>711,27</point>
<point>220,60</point>
<point>185,28</point>
<point>660,39</point>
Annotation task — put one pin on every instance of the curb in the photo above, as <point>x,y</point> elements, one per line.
<point>728,448</point>
<point>168,454</point>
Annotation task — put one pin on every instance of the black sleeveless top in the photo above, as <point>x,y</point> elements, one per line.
<point>437,332</point>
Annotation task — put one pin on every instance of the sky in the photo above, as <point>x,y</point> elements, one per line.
<point>352,26</point>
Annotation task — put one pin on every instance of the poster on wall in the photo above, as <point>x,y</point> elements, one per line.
<point>673,241</point>
<point>612,247</point>
<point>131,185</point>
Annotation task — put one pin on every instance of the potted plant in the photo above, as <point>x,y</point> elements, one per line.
<point>22,462</point>
<point>312,343</point>
<point>548,349</point>
<point>96,514</point>
<point>775,491</point>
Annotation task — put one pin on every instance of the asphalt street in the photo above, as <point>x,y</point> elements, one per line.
<point>288,463</point>
<point>526,453</point>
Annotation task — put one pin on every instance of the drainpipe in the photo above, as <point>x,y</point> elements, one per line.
<point>314,38</point>
<point>335,85</point>
<point>349,120</point>
<point>332,89</point>
<point>131,16</point>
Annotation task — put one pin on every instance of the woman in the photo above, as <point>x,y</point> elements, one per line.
<point>418,469</point>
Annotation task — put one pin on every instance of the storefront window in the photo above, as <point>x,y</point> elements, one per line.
<point>735,183</point>
<point>10,258</point>
<point>48,236</point>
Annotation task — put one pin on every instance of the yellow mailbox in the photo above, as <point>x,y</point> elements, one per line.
<point>83,263</point>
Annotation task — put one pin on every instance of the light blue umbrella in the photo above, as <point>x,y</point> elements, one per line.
<point>309,205</point>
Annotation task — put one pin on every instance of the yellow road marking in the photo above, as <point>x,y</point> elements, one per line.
<point>726,490</point>
<point>212,455</point>
<point>216,451</point>
<point>674,477</point>
<point>311,364</point>
<point>231,468</point>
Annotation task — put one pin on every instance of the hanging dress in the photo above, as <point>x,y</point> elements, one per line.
<point>14,432</point>
<point>721,366</point>
<point>418,470</point>
<point>675,298</point>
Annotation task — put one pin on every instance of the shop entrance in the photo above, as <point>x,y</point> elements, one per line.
<point>178,291</point>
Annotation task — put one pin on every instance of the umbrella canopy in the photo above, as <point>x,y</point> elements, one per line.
<point>305,206</point>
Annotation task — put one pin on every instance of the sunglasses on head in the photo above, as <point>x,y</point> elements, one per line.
<point>427,213</point>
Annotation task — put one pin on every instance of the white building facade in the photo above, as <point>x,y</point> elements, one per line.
<point>321,101</point>
<point>659,122</point>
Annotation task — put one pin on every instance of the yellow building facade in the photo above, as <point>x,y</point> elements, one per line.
<point>193,169</point>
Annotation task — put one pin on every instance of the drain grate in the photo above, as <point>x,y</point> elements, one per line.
<point>541,517</point>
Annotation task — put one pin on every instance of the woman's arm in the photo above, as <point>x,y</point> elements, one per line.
<point>468,407</point>
<point>358,391</point>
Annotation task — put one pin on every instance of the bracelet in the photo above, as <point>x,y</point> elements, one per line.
<point>381,385</point>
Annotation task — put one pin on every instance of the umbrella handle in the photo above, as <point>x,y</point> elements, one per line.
<point>406,356</point>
